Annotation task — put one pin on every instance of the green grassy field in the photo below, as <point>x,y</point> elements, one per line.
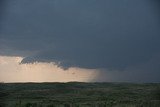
<point>76,94</point>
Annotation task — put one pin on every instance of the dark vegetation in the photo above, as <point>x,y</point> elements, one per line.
<point>76,94</point>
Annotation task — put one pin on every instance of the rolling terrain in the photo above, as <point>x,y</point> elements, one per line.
<point>77,94</point>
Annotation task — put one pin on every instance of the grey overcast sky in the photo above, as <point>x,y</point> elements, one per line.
<point>121,36</point>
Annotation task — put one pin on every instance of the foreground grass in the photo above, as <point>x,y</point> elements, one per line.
<point>76,94</point>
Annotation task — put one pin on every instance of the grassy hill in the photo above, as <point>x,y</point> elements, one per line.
<point>77,94</point>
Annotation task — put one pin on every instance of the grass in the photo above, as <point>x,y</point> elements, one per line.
<point>77,94</point>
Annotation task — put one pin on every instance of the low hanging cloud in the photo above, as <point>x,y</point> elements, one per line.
<point>12,71</point>
<point>106,34</point>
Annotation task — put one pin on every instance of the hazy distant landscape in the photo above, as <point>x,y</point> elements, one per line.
<point>79,53</point>
<point>77,94</point>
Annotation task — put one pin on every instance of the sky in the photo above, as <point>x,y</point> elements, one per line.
<point>80,40</point>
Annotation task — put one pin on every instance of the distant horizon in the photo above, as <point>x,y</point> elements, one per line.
<point>80,82</point>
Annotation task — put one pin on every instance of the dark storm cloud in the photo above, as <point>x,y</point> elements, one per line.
<point>110,34</point>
